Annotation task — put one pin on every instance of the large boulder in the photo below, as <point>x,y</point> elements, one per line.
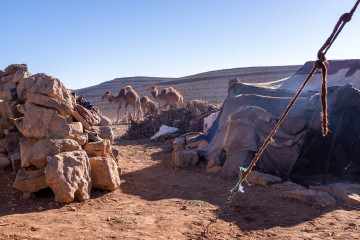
<point>99,149</point>
<point>50,147</point>
<point>49,102</point>
<point>68,174</point>
<point>104,132</point>
<point>13,68</point>
<point>104,173</point>
<point>8,109</point>
<point>39,122</point>
<point>5,162</point>
<point>30,180</point>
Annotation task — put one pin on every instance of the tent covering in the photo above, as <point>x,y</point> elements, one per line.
<point>250,112</point>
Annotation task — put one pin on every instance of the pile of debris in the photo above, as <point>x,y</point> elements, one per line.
<point>47,142</point>
<point>188,118</point>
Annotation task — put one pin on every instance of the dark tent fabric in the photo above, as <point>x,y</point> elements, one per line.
<point>250,112</point>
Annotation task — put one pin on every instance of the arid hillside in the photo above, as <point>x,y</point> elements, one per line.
<point>208,86</point>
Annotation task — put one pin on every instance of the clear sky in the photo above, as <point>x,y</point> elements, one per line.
<point>86,42</point>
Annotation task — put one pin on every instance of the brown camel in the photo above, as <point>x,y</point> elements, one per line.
<point>127,96</point>
<point>149,105</point>
<point>168,96</point>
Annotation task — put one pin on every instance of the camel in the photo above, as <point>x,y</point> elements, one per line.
<point>149,105</point>
<point>127,96</point>
<point>168,96</point>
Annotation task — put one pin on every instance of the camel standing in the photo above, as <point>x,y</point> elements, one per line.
<point>127,96</point>
<point>168,96</point>
<point>149,105</point>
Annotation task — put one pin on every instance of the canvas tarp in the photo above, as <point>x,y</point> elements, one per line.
<point>250,112</point>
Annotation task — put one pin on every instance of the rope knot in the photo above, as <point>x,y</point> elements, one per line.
<point>346,17</point>
<point>321,57</point>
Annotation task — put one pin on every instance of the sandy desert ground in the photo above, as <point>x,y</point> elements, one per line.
<point>159,201</point>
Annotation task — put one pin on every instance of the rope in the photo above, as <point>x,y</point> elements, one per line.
<point>318,64</point>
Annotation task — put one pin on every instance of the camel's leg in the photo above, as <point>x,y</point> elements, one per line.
<point>126,114</point>
<point>118,113</point>
<point>134,112</point>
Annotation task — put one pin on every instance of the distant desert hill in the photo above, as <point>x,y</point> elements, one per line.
<point>209,86</point>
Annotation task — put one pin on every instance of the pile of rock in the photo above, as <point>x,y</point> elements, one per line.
<point>47,142</point>
<point>187,148</point>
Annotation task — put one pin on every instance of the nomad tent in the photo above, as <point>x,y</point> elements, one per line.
<point>250,112</point>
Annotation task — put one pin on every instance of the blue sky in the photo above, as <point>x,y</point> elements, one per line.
<point>86,42</point>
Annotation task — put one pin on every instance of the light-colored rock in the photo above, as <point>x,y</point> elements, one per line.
<point>214,169</point>
<point>104,121</point>
<point>8,94</point>
<point>49,102</point>
<point>68,174</point>
<point>185,158</point>
<point>8,109</point>
<point>50,147</point>
<point>104,132</point>
<point>99,149</point>
<point>26,146</point>
<point>5,162</point>
<point>30,180</point>
<point>81,139</point>
<point>15,158</point>
<point>6,123</point>
<point>104,173</point>
<point>76,128</point>
<point>13,68</point>
<point>20,74</point>
<point>44,84</point>
<point>24,85</point>
<point>179,144</point>
<point>346,192</point>
<point>40,122</point>
<point>263,179</point>
<point>311,197</point>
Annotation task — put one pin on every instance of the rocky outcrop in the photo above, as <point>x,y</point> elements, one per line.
<point>40,129</point>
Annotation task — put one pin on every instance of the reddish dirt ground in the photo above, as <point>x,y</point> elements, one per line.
<point>158,201</point>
